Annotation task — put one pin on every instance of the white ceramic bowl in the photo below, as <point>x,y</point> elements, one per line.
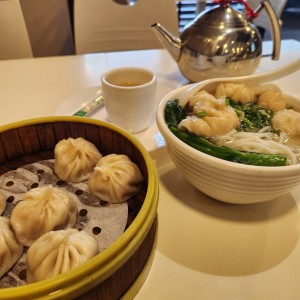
<point>223,180</point>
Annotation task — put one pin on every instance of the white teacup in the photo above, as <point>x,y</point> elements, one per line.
<point>129,97</point>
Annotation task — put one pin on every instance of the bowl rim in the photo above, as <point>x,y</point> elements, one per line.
<point>218,163</point>
<point>101,266</point>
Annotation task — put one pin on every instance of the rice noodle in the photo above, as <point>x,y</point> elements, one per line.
<point>263,141</point>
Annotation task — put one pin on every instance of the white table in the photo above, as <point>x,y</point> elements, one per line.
<point>205,249</point>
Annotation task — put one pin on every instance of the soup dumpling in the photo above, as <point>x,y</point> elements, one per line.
<point>75,159</point>
<point>57,252</point>
<point>43,209</point>
<point>115,178</point>
<point>10,249</point>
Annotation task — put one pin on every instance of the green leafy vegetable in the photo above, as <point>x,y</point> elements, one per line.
<point>174,113</point>
<point>253,117</point>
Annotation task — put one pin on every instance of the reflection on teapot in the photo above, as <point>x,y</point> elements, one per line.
<point>220,42</point>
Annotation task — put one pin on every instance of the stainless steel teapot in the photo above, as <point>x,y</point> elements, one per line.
<point>220,42</point>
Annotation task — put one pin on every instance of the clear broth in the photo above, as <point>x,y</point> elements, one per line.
<point>129,83</point>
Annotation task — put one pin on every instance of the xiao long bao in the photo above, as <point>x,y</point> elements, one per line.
<point>43,209</point>
<point>57,252</point>
<point>75,159</point>
<point>115,178</point>
<point>10,249</point>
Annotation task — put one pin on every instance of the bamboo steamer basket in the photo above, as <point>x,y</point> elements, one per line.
<point>120,270</point>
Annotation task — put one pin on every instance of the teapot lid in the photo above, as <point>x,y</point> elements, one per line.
<point>222,14</point>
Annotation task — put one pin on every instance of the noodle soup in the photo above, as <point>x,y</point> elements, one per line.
<point>256,126</point>
<point>222,173</point>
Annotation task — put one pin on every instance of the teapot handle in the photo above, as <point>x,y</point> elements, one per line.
<point>276,34</point>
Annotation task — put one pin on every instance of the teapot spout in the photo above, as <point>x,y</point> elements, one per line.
<point>171,43</point>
